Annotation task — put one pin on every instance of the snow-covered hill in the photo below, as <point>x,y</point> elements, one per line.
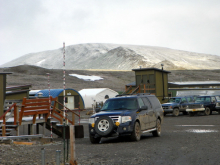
<point>117,57</point>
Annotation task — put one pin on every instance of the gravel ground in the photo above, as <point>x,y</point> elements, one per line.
<point>184,140</point>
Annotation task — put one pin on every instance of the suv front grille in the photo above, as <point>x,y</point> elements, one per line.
<point>194,106</point>
<point>114,118</point>
<point>165,107</point>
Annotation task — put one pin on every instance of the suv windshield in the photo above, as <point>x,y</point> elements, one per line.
<point>120,104</point>
<point>174,100</point>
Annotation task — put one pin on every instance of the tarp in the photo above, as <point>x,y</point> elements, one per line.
<point>93,95</point>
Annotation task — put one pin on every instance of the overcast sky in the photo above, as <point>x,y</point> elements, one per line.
<point>28,26</point>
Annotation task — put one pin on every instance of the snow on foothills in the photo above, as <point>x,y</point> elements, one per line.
<point>40,62</point>
<point>87,78</point>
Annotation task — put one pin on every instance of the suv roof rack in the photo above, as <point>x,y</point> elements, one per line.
<point>122,95</point>
<point>138,94</point>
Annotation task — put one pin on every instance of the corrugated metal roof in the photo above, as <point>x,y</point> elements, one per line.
<point>53,92</point>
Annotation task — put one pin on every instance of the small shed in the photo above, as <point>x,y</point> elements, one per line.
<point>73,99</point>
<point>94,95</point>
<point>150,80</point>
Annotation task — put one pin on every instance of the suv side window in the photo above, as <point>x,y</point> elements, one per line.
<point>213,99</point>
<point>189,99</point>
<point>183,100</point>
<point>147,102</point>
<point>140,102</point>
<point>208,99</point>
<point>155,102</point>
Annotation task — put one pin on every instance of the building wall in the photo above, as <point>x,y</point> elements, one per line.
<point>157,81</point>
<point>77,99</point>
<point>162,86</point>
<point>18,96</point>
<point>2,91</point>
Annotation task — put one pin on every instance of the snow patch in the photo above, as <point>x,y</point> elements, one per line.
<point>40,62</point>
<point>184,60</point>
<point>87,78</point>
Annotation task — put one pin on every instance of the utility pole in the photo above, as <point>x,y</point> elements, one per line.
<point>162,80</point>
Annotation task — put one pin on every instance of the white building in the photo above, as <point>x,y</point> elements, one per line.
<point>93,95</point>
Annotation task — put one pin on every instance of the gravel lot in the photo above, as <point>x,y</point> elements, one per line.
<point>184,140</point>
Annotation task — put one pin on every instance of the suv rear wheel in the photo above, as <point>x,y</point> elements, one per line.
<point>136,134</point>
<point>157,133</point>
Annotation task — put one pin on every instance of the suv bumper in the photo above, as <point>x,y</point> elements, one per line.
<point>117,131</point>
<point>195,110</point>
<point>168,110</point>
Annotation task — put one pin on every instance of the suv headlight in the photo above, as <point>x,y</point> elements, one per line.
<point>91,120</point>
<point>125,119</point>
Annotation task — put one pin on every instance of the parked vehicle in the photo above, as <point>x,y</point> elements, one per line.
<point>127,115</point>
<point>203,104</point>
<point>175,105</point>
<point>217,106</point>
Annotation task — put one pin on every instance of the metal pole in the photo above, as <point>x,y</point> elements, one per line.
<point>51,131</point>
<point>42,156</point>
<point>57,157</point>
<point>162,81</point>
<point>64,86</point>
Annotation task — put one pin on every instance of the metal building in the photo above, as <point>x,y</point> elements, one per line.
<point>73,99</point>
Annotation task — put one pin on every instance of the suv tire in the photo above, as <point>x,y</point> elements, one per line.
<point>176,112</point>
<point>104,126</point>
<point>157,133</point>
<point>136,134</point>
<point>94,140</point>
<point>207,111</point>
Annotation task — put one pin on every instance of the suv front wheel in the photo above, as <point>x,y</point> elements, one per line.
<point>207,111</point>
<point>136,134</point>
<point>176,112</point>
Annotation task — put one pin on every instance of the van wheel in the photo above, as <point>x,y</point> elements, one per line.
<point>136,134</point>
<point>157,133</point>
<point>176,112</point>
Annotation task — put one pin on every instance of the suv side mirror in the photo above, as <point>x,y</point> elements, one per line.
<point>97,110</point>
<point>144,107</point>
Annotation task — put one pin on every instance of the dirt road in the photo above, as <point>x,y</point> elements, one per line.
<point>184,140</point>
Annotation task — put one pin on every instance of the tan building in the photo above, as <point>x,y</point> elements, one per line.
<point>150,80</point>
